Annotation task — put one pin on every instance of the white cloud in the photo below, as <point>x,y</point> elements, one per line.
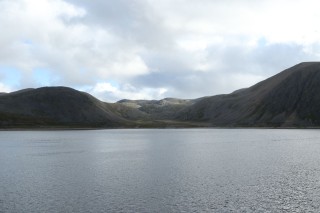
<point>4,88</point>
<point>152,48</point>
<point>49,34</point>
<point>275,20</point>
<point>108,92</point>
<point>125,67</point>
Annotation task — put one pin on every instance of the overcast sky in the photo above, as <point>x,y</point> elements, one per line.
<point>151,49</point>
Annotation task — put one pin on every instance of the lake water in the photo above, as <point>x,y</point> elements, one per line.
<point>163,170</point>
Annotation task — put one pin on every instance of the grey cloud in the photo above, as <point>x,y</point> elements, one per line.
<point>117,14</point>
<point>132,20</point>
<point>236,64</point>
<point>273,57</point>
<point>117,40</point>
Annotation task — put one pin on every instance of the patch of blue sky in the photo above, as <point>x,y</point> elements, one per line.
<point>113,83</point>
<point>262,42</point>
<point>10,76</point>
<point>27,41</point>
<point>43,77</point>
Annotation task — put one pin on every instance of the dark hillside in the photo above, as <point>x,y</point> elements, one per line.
<point>55,106</point>
<point>290,98</point>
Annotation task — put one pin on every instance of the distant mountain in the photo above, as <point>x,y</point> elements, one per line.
<point>288,99</point>
<point>167,108</point>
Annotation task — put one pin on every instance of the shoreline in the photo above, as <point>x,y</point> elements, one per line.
<point>142,128</point>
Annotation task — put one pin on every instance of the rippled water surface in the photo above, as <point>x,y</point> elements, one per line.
<point>183,170</point>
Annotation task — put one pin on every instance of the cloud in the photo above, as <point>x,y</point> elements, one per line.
<point>4,88</point>
<point>49,35</point>
<point>107,91</point>
<point>153,49</point>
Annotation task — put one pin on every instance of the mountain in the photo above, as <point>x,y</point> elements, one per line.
<point>55,106</point>
<point>63,107</point>
<point>158,109</point>
<point>288,99</point>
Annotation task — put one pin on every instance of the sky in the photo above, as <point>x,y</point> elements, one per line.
<point>152,49</point>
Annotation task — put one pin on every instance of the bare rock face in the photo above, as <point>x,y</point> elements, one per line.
<point>288,99</point>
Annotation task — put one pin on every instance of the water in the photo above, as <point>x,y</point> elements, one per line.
<point>184,170</point>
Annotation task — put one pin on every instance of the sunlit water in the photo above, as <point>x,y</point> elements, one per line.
<point>184,170</point>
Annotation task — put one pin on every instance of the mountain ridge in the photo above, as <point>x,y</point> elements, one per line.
<point>290,98</point>
<point>272,102</point>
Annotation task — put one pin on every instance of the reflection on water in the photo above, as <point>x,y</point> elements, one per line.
<point>200,170</point>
